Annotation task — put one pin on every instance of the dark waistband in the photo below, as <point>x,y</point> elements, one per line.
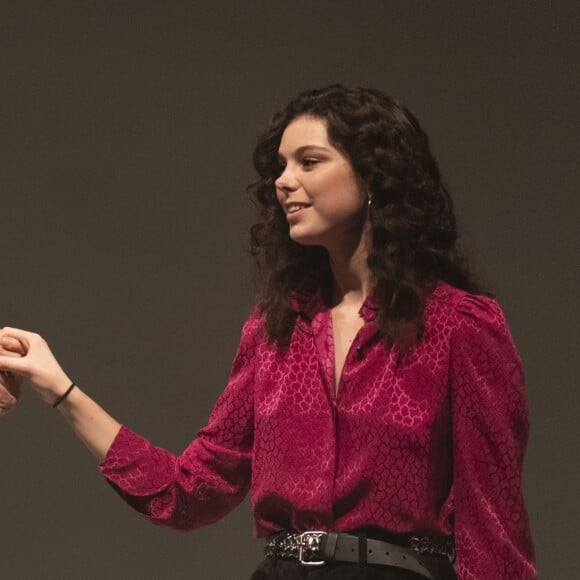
<point>317,548</point>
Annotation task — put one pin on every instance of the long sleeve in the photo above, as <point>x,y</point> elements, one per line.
<point>490,430</point>
<point>212,476</point>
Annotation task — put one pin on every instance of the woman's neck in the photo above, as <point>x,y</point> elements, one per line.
<point>351,276</point>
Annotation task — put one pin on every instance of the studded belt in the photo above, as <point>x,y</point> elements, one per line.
<point>317,548</point>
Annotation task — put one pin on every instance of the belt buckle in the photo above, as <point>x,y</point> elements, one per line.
<point>309,546</point>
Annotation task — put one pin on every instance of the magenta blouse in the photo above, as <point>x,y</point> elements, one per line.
<point>431,443</point>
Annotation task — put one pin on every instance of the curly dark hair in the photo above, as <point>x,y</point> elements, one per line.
<point>413,226</point>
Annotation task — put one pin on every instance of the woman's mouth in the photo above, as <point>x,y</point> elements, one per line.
<point>293,209</point>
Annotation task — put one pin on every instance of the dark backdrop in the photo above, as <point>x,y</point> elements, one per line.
<point>126,135</point>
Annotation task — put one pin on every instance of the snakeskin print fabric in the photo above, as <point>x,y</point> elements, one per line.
<point>428,443</point>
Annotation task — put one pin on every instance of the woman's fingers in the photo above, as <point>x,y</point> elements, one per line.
<point>23,336</point>
<point>7,402</point>
<point>11,346</point>
<point>11,382</point>
<point>13,352</point>
<point>8,398</point>
<point>11,364</point>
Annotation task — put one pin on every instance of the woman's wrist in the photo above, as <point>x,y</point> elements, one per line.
<point>50,394</point>
<point>62,397</point>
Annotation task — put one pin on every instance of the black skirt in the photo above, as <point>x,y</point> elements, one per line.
<point>289,570</point>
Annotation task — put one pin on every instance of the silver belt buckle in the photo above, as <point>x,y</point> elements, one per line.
<point>309,543</point>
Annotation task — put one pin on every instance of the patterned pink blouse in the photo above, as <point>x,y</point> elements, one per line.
<point>432,443</point>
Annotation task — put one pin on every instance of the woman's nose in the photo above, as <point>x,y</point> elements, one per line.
<point>286,182</point>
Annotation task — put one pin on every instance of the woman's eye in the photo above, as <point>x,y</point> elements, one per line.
<point>309,162</point>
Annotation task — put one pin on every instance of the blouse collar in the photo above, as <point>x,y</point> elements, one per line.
<point>309,304</point>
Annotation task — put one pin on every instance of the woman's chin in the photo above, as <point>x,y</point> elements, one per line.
<point>305,238</point>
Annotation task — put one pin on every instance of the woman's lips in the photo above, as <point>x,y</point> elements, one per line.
<point>294,215</point>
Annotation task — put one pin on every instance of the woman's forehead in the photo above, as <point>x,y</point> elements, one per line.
<point>304,131</point>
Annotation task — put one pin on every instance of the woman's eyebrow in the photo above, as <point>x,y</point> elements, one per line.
<point>304,149</point>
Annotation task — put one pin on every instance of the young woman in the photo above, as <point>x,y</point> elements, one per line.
<point>376,406</point>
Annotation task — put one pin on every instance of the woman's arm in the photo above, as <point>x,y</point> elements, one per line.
<point>213,473</point>
<point>490,430</point>
<point>92,424</point>
<point>183,491</point>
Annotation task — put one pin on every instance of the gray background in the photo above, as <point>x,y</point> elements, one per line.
<point>126,135</point>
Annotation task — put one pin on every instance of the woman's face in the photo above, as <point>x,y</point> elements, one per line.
<point>318,190</point>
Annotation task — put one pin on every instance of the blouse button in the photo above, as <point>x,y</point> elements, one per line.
<point>359,353</point>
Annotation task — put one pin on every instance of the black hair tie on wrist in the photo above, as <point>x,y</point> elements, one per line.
<point>64,396</point>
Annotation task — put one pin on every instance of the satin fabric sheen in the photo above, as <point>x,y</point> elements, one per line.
<point>431,443</point>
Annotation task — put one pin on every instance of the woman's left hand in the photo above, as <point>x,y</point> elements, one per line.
<point>10,384</point>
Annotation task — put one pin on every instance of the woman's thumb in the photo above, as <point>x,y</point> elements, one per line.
<point>11,365</point>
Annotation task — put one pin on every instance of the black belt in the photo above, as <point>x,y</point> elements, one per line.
<point>318,548</point>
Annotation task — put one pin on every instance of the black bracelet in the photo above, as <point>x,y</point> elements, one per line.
<point>63,397</point>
